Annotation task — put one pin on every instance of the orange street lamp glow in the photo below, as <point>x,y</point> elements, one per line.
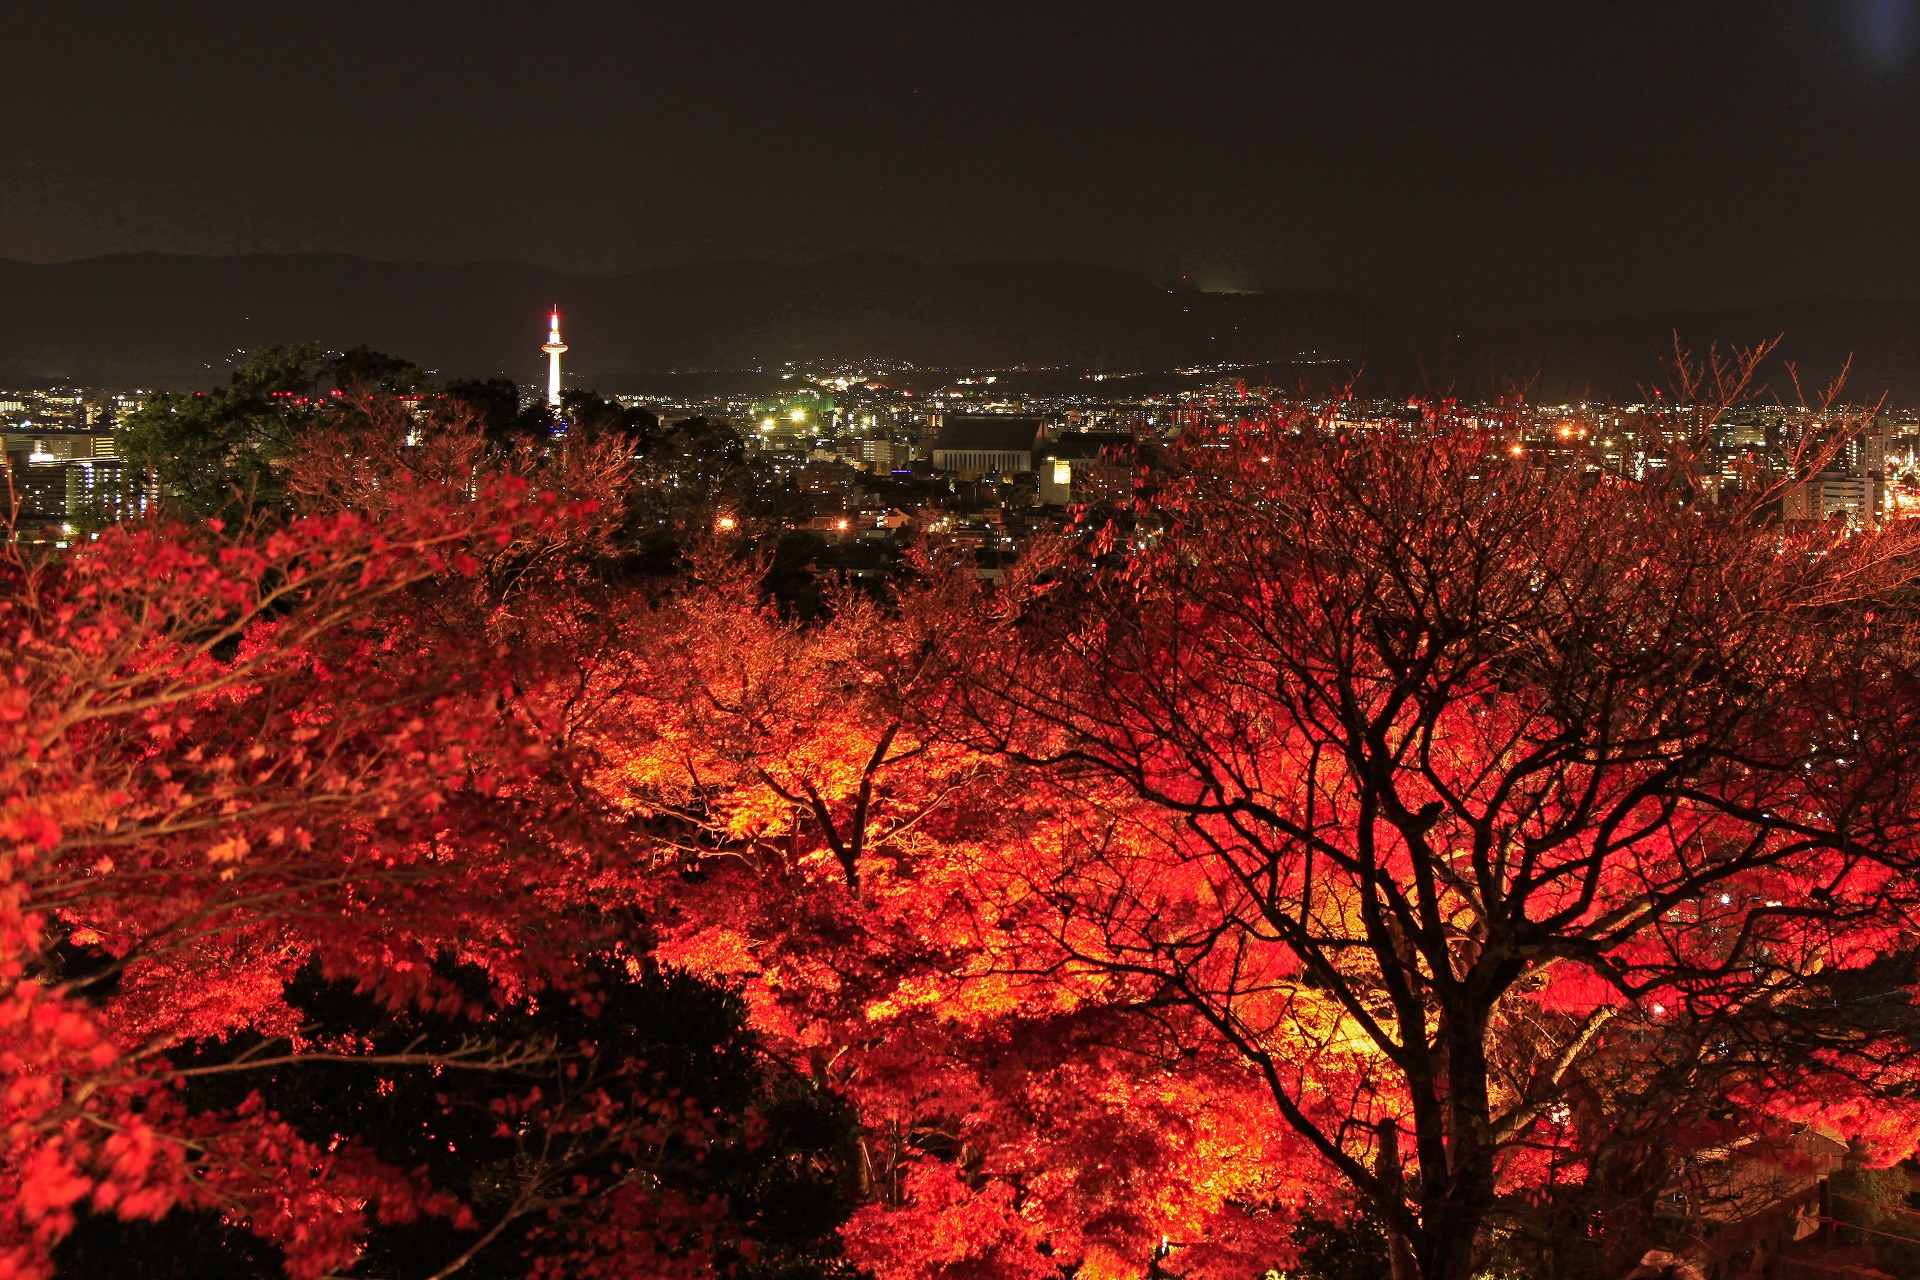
<point>725,522</point>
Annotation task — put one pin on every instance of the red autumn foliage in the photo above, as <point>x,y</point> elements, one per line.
<point>222,762</point>
<point>1360,820</point>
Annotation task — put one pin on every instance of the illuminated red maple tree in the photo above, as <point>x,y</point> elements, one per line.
<point>842,857</point>
<point>1422,778</point>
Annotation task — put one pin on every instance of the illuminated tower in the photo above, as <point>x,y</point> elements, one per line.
<point>553,349</point>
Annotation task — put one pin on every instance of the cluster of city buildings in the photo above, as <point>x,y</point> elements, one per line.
<point>987,458</point>
<point>1817,464</point>
<point>995,453</point>
<point>61,459</point>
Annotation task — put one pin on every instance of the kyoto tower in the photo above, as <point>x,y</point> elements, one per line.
<point>553,349</point>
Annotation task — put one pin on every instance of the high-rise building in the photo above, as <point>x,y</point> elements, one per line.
<point>553,348</point>
<point>1830,494</point>
<point>881,454</point>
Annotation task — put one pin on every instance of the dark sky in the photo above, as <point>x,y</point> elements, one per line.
<point>1577,154</point>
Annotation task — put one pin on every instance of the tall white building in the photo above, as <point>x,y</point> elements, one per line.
<point>553,348</point>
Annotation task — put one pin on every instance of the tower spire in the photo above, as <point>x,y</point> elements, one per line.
<point>553,348</point>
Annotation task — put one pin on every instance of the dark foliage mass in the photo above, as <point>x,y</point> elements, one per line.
<point>775,1150</point>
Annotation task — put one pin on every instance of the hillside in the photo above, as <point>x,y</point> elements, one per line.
<point>168,320</point>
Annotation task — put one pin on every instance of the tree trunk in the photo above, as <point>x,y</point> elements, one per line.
<point>1456,1199</point>
<point>1400,1259</point>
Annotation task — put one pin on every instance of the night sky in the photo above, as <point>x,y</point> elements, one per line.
<point>1511,159</point>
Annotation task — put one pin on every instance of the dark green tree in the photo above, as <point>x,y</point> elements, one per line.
<point>221,451</point>
<point>497,407</point>
<point>586,414</point>
<point>364,369</point>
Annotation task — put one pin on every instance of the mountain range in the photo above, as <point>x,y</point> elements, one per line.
<point>162,320</point>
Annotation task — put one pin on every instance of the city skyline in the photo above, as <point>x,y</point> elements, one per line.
<point>156,321</point>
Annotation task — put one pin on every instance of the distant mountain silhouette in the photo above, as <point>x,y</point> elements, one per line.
<point>1819,336</point>
<point>174,321</point>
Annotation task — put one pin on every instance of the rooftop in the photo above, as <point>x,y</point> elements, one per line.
<point>989,433</point>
